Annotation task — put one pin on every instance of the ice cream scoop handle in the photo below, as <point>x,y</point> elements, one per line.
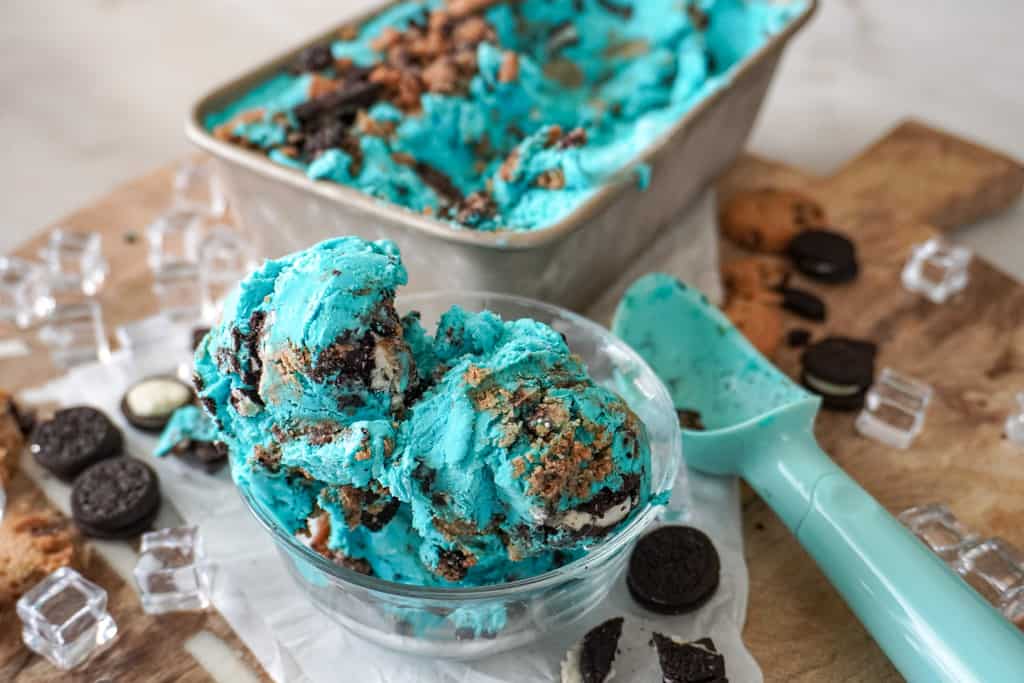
<point>931,624</point>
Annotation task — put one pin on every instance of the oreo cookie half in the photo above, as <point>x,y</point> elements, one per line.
<point>824,255</point>
<point>840,370</point>
<point>74,439</point>
<point>149,403</point>
<point>673,570</point>
<point>115,498</point>
<point>590,660</point>
<point>689,662</point>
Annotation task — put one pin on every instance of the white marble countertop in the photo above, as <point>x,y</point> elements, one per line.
<point>95,91</point>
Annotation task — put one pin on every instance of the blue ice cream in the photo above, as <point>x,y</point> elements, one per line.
<point>497,115</point>
<point>480,454</point>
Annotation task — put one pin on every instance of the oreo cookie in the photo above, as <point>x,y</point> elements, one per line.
<point>689,662</point>
<point>803,303</point>
<point>673,570</point>
<point>149,403</point>
<point>74,439</point>
<point>115,498</point>
<point>824,255</point>
<point>590,660</point>
<point>840,370</point>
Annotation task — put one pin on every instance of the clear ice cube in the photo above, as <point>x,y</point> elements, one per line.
<point>173,239</point>
<point>75,260</point>
<point>225,258</point>
<point>198,188</point>
<point>894,409</point>
<point>176,287</point>
<point>993,567</point>
<point>1012,606</point>
<point>64,618</point>
<point>173,574</point>
<point>1015,423</point>
<point>938,528</point>
<point>75,334</point>
<point>937,269</point>
<point>24,291</point>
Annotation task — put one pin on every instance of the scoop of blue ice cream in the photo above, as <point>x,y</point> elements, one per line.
<point>478,455</point>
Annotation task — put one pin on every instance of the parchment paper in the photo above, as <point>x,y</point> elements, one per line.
<point>296,643</point>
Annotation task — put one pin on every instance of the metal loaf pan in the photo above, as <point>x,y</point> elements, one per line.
<point>569,263</point>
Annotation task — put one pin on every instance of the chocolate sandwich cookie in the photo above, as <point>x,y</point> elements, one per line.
<point>840,370</point>
<point>116,498</point>
<point>590,660</point>
<point>768,220</point>
<point>824,255</point>
<point>803,303</point>
<point>149,403</point>
<point>673,570</point>
<point>689,662</point>
<point>74,439</point>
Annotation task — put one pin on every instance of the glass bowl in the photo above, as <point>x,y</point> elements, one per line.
<point>465,623</point>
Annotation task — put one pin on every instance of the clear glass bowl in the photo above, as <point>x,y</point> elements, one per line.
<point>464,623</point>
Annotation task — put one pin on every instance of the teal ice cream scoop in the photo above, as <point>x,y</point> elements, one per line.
<point>930,623</point>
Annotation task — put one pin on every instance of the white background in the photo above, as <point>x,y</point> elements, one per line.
<point>93,92</point>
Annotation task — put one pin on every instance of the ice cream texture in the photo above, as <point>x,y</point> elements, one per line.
<point>481,454</point>
<point>505,115</point>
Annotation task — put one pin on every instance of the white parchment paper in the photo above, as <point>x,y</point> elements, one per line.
<point>295,642</point>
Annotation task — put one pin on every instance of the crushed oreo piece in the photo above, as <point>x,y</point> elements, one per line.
<point>624,11</point>
<point>198,334</point>
<point>690,419</point>
<point>803,303</point>
<point>689,662</point>
<point>314,58</point>
<point>798,337</point>
<point>590,660</point>
<point>340,104</point>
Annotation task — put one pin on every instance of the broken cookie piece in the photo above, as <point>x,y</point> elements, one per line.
<point>590,660</point>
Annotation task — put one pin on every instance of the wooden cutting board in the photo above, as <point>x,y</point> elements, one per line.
<point>913,183</point>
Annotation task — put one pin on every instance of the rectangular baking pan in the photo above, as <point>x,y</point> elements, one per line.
<point>568,263</point>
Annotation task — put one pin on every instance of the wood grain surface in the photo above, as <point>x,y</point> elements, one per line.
<point>148,648</point>
<point>914,182</point>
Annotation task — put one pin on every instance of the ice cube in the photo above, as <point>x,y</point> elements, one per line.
<point>993,567</point>
<point>173,574</point>
<point>894,409</point>
<point>937,269</point>
<point>176,287</point>
<point>75,334</point>
<point>65,619</point>
<point>24,291</point>
<point>198,188</point>
<point>938,528</point>
<point>75,260</point>
<point>1012,606</point>
<point>1015,423</point>
<point>173,239</point>
<point>225,258</point>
